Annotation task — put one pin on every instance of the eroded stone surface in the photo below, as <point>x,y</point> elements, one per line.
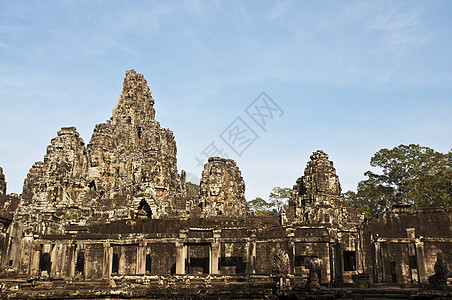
<point>111,219</point>
<point>128,167</point>
<point>439,279</point>
<point>55,185</point>
<point>320,184</point>
<point>2,182</point>
<point>8,203</point>
<point>316,196</point>
<point>222,188</point>
<point>132,159</point>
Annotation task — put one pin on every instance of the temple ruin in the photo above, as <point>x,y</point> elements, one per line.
<point>112,218</point>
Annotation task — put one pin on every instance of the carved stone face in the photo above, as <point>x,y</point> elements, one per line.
<point>214,190</point>
<point>216,170</point>
<point>321,182</point>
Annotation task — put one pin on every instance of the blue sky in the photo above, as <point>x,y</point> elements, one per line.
<point>351,77</point>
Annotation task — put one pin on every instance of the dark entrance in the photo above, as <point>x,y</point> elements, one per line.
<point>198,260</point>
<point>349,261</point>
<point>115,263</point>
<point>148,263</point>
<point>144,210</point>
<point>80,265</point>
<point>44,263</point>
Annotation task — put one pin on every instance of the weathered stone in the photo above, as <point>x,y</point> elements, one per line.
<point>8,203</point>
<point>2,182</point>
<point>281,263</point>
<point>128,169</point>
<point>55,185</point>
<point>113,220</point>
<point>439,279</point>
<point>222,189</point>
<point>132,159</point>
<point>314,265</point>
<point>320,184</point>
<point>316,196</point>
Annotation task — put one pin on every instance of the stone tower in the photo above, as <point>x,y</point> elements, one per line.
<point>129,168</point>
<point>316,196</point>
<point>132,159</point>
<point>222,189</point>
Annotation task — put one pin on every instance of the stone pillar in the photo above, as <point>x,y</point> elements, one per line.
<point>251,256</point>
<point>339,263</point>
<point>71,261</point>
<point>63,260</point>
<point>22,255</point>
<point>386,266</point>
<point>122,268</point>
<point>54,260</point>
<point>141,259</point>
<point>57,258</point>
<point>423,278</point>
<point>35,257</point>
<point>291,253</point>
<point>214,257</point>
<point>106,263</point>
<point>332,261</point>
<point>181,255</point>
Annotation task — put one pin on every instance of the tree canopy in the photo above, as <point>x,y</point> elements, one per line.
<point>277,199</point>
<point>259,206</point>
<point>411,174</point>
<point>192,189</point>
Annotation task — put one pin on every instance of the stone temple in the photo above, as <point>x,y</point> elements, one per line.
<point>112,218</point>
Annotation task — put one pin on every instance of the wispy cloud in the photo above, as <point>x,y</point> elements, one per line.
<point>401,32</point>
<point>279,10</point>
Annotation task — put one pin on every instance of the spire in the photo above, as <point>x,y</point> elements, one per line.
<point>135,104</point>
<point>316,196</point>
<point>320,176</point>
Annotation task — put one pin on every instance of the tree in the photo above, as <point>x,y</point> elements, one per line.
<point>259,206</point>
<point>192,189</point>
<point>279,197</point>
<point>411,174</point>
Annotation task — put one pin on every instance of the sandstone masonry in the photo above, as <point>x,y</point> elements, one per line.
<point>112,219</point>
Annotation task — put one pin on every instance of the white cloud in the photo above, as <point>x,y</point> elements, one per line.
<point>401,31</point>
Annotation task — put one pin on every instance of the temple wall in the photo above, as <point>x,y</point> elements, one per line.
<point>401,246</point>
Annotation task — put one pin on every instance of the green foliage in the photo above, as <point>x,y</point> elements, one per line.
<point>67,216</point>
<point>279,197</point>
<point>192,189</point>
<point>411,174</point>
<point>260,206</point>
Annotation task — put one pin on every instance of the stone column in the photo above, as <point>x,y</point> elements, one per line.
<point>251,256</point>
<point>63,261</point>
<point>54,260</point>
<point>35,257</point>
<point>339,263</point>
<point>332,261</point>
<point>291,253</point>
<point>122,268</point>
<point>214,257</point>
<point>376,263</point>
<point>22,255</point>
<point>387,277</point>
<point>181,255</point>
<point>106,263</point>
<point>141,259</point>
<point>423,278</point>
<point>71,261</point>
